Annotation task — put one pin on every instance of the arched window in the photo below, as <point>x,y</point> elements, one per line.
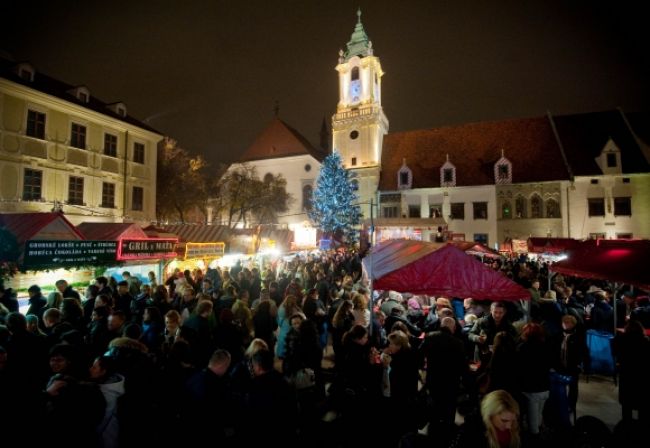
<point>355,74</point>
<point>268,178</point>
<point>552,209</point>
<point>536,207</point>
<point>355,185</point>
<point>506,210</point>
<point>520,207</point>
<point>307,192</point>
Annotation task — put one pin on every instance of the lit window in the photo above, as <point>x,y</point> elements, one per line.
<point>78,136</point>
<point>32,185</point>
<point>108,195</point>
<point>138,153</point>
<point>76,190</point>
<point>137,200</point>
<point>35,124</point>
<point>506,210</point>
<point>110,145</point>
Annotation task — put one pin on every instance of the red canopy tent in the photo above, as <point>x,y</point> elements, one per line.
<point>623,261</point>
<point>552,245</point>
<point>417,267</point>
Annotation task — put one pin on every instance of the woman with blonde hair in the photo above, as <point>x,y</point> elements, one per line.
<point>500,415</point>
<point>360,310</point>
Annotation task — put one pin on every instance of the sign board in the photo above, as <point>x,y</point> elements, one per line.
<point>146,248</point>
<point>53,254</point>
<point>204,250</point>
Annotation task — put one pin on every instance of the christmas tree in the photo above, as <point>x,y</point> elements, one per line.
<point>334,208</point>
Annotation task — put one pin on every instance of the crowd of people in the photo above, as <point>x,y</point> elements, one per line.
<point>237,356</point>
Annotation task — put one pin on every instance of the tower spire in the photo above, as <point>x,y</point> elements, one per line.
<point>359,42</point>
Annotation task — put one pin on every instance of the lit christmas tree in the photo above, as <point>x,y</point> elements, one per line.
<point>332,202</point>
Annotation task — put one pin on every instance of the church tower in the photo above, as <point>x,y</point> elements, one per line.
<point>359,125</point>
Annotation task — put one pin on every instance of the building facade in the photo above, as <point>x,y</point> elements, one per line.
<point>62,149</point>
<point>280,149</point>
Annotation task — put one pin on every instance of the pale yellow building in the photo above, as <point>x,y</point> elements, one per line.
<point>63,149</point>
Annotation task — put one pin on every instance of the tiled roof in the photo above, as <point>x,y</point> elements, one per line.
<point>584,136</point>
<point>529,144</point>
<point>25,226</point>
<point>59,89</point>
<point>195,233</point>
<point>280,140</point>
<point>109,231</point>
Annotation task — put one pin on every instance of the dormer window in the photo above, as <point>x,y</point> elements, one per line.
<point>118,108</point>
<point>503,170</point>
<point>404,177</point>
<point>611,160</point>
<point>81,93</point>
<point>448,174</point>
<point>25,72</point>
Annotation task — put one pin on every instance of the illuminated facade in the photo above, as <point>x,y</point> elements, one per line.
<point>359,124</point>
<point>62,149</point>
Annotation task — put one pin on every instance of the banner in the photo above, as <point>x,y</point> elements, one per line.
<point>204,250</point>
<point>143,249</point>
<point>52,254</point>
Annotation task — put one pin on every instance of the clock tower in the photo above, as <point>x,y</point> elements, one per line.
<point>359,125</point>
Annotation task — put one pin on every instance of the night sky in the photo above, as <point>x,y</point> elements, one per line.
<point>207,73</point>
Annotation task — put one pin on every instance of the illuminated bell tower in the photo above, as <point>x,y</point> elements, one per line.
<point>359,125</point>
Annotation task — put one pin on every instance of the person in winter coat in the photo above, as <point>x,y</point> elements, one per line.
<point>111,384</point>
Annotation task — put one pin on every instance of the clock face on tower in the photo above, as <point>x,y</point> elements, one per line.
<point>355,90</point>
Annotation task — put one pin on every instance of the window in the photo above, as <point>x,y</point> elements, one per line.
<point>481,238</point>
<point>403,178</point>
<point>502,171</point>
<point>611,160</point>
<point>355,74</point>
<point>448,175</point>
<point>138,153</point>
<point>506,210</point>
<point>110,145</point>
<point>354,135</point>
<point>596,206</point>
<point>457,210</point>
<point>32,185</point>
<point>480,210</point>
<point>26,74</point>
<point>78,136</point>
<point>597,236</point>
<point>83,96</point>
<point>307,167</point>
<point>137,200</point>
<point>355,185</point>
<point>414,211</point>
<point>307,193</point>
<point>76,190</point>
<point>36,124</point>
<point>624,236</point>
<point>520,207</point>
<point>536,207</point>
<point>552,209</point>
<point>108,195</point>
<point>626,180</point>
<point>435,211</point>
<point>353,162</point>
<point>623,206</point>
<point>390,211</point>
<point>594,181</point>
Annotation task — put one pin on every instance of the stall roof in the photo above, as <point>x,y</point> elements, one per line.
<point>39,226</point>
<point>198,233</point>
<point>551,245</point>
<point>614,260</point>
<point>424,268</point>
<point>110,231</point>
